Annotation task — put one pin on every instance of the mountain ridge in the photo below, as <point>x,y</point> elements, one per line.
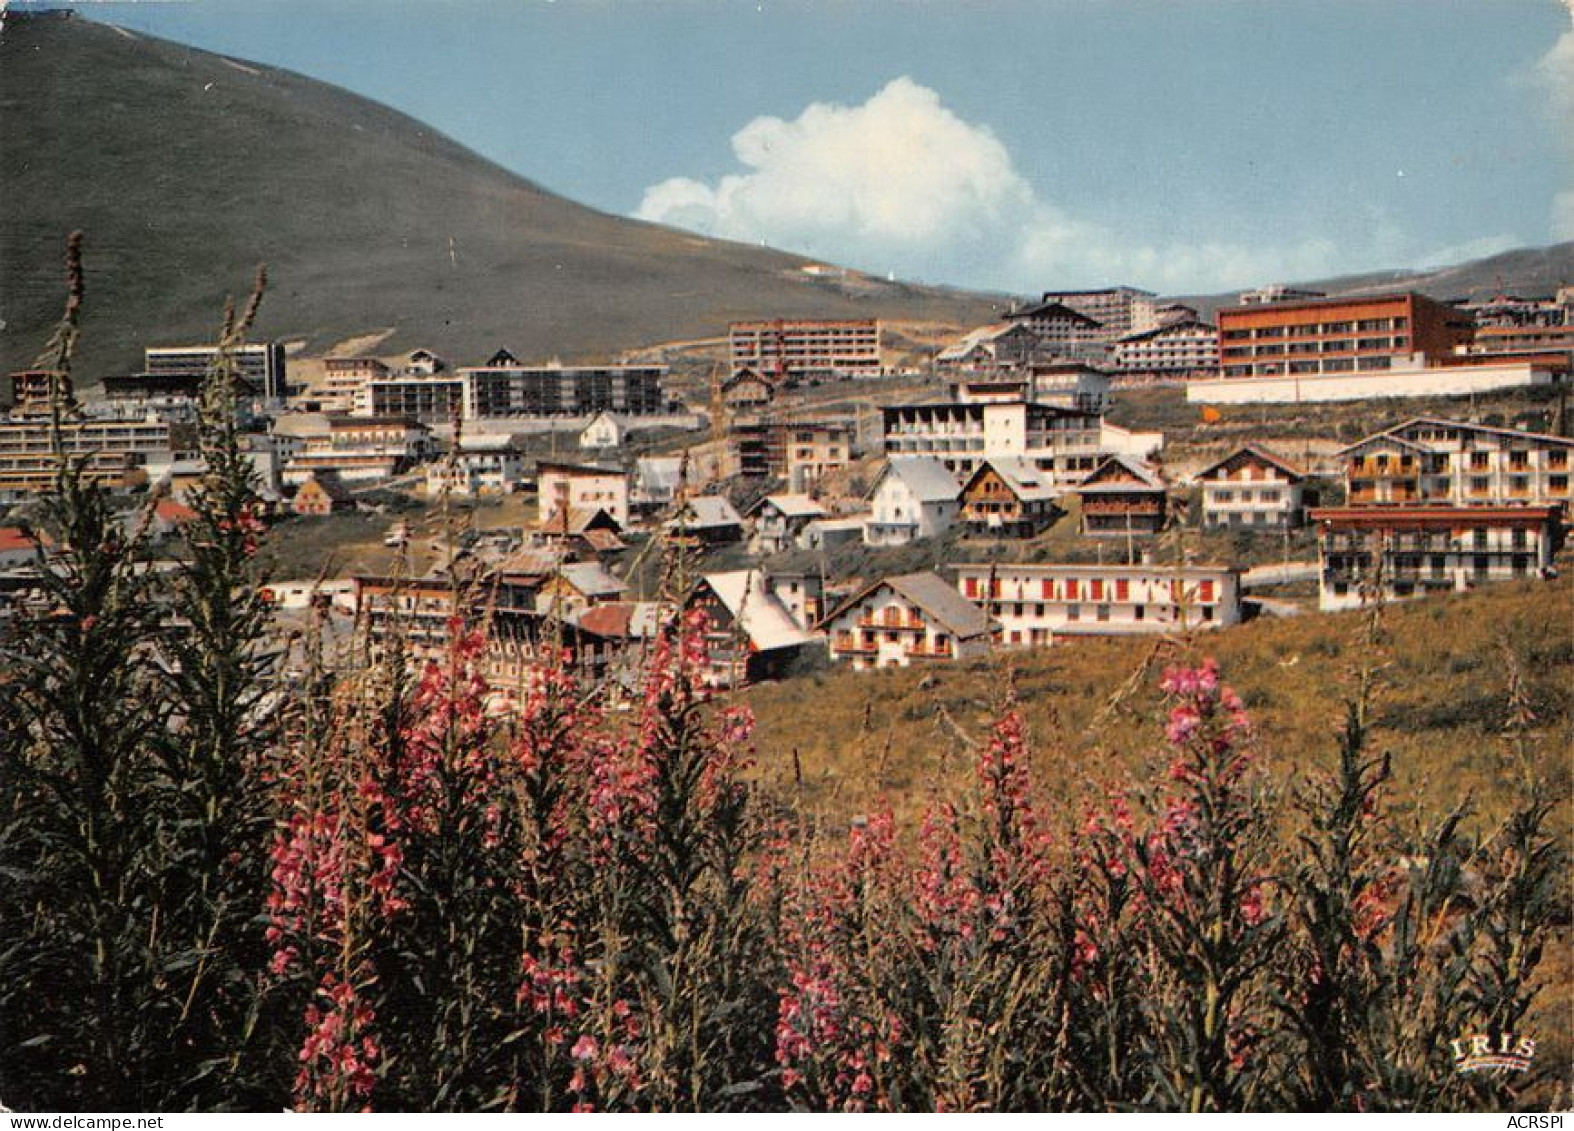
<point>186,168</point>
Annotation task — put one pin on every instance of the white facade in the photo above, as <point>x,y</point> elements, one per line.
<point>1065,444</point>
<point>1419,550</point>
<point>1037,603</point>
<point>1250,492</point>
<point>885,627</point>
<point>605,431</point>
<point>910,501</point>
<point>780,519</point>
<point>491,470</point>
<point>1169,352</point>
<point>582,487</point>
<point>1410,380</point>
<point>1445,461</point>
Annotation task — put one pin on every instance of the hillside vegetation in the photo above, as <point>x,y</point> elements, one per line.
<point>1090,704</point>
<point>186,168</point>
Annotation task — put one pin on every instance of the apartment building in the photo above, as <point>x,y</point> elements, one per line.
<point>1447,462</point>
<point>175,397</point>
<point>1409,551</point>
<point>437,398</point>
<point>900,621</point>
<point>1180,351</point>
<point>260,363</point>
<point>117,451</point>
<point>1331,336</point>
<point>483,465</point>
<point>1069,385</point>
<point>1252,489</point>
<point>581,487</point>
<point>1035,604</point>
<point>1118,311</point>
<point>1002,345</point>
<point>1511,311</point>
<point>806,349</point>
<point>799,451</point>
<point>1062,331</point>
<point>962,434</point>
<point>515,391</point>
<point>358,449</point>
<point>31,390</point>
<point>344,377</point>
<point>421,613</point>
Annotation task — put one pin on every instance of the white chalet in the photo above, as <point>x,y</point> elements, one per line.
<point>913,497</point>
<point>605,431</point>
<point>779,519</point>
<point>897,621</point>
<point>1254,489</point>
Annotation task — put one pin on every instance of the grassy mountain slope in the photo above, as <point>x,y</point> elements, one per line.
<point>186,168</point>
<point>1093,705</point>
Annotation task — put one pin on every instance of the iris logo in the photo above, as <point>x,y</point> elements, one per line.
<point>1480,1052</point>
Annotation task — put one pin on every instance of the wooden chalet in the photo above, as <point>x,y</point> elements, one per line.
<point>1009,497</point>
<point>1121,497</point>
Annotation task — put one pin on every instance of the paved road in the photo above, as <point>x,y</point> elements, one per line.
<point>1278,574</point>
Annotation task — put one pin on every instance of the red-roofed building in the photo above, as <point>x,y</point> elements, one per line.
<point>19,546</point>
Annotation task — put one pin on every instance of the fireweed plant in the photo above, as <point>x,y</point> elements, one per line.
<point>344,882</point>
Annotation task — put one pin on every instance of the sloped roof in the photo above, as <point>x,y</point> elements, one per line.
<point>176,514</point>
<point>622,620</point>
<point>617,421</point>
<point>1053,309</point>
<point>1385,438</point>
<point>603,541</point>
<point>1289,469</point>
<point>934,596</point>
<point>791,506</point>
<point>1096,482</point>
<point>747,374</point>
<point>591,579</point>
<point>1168,328</point>
<point>573,468</point>
<point>705,511</point>
<point>1395,433</point>
<point>578,520</point>
<point>13,538</point>
<point>924,476</point>
<point>756,610</point>
<point>1026,481</point>
<point>532,561</point>
<point>968,342</point>
<point>331,485</point>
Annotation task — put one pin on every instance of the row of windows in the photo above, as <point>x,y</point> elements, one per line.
<point>1317,329</point>
<point>1092,589</point>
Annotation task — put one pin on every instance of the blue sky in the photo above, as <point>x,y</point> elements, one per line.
<point>1006,144</point>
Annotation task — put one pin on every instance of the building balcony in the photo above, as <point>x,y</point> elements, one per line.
<point>853,648</point>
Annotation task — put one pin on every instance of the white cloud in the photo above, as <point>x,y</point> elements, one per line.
<point>902,183</point>
<point>1556,72</point>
